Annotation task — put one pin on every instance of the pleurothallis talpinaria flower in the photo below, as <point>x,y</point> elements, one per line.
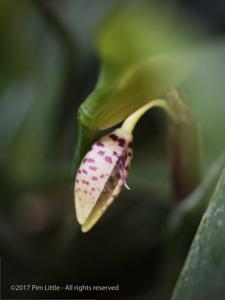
<point>101,175</point>
<point>104,169</point>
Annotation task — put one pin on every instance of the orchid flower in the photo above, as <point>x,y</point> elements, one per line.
<point>104,169</point>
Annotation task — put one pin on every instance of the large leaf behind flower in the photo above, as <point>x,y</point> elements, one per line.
<point>141,58</point>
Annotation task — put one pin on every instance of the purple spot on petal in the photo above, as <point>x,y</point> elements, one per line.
<point>100,144</point>
<point>79,171</point>
<point>94,178</point>
<point>121,142</point>
<point>84,171</point>
<point>130,144</point>
<point>102,176</point>
<point>90,160</point>
<point>101,152</point>
<point>108,159</point>
<point>85,182</point>
<point>114,137</point>
<point>93,168</point>
<point>115,154</point>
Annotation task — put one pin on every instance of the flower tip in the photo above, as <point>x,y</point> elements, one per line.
<point>84,229</point>
<point>90,222</point>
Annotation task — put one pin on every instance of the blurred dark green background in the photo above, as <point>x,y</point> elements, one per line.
<point>48,66</point>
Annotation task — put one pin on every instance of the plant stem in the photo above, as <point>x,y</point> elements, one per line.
<point>130,123</point>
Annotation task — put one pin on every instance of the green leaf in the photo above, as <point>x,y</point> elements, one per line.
<point>203,274</point>
<point>110,104</point>
<point>137,64</point>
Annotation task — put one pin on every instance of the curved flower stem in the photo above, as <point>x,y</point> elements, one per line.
<point>130,123</point>
<point>88,136</point>
<point>183,152</point>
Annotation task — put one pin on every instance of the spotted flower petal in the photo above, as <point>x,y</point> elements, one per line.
<point>104,169</point>
<point>101,175</point>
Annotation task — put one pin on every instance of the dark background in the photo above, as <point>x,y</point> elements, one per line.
<point>48,67</point>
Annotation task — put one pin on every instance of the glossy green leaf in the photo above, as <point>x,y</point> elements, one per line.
<point>203,274</point>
